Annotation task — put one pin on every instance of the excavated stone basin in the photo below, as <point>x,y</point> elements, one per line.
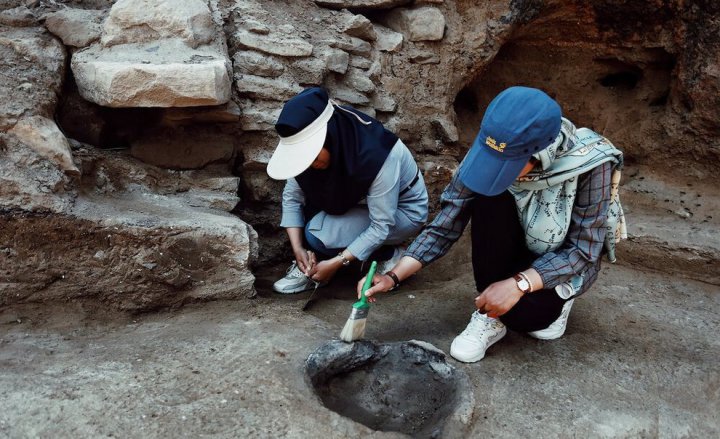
<point>406,387</point>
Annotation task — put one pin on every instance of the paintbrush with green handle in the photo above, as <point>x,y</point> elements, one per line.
<point>354,328</point>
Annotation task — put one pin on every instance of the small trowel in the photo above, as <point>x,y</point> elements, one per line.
<point>313,297</point>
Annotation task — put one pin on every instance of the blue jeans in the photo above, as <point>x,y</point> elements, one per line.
<point>383,253</point>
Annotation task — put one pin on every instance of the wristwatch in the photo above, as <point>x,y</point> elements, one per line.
<point>342,257</point>
<point>522,283</point>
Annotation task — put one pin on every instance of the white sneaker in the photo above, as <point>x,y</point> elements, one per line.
<point>295,281</point>
<point>481,333</point>
<point>385,266</point>
<point>556,328</point>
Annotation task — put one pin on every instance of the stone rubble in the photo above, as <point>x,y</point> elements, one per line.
<point>419,24</point>
<point>76,27</point>
<point>45,138</point>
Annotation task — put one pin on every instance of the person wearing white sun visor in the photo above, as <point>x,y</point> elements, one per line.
<point>353,190</point>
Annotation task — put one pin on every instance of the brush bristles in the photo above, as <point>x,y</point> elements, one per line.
<point>354,328</point>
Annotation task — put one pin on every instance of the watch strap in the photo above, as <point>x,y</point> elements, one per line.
<point>519,277</point>
<point>393,276</point>
<point>345,260</point>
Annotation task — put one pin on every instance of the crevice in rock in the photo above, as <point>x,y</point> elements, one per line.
<point>102,127</point>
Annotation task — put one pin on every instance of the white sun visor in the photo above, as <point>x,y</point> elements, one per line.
<point>295,153</point>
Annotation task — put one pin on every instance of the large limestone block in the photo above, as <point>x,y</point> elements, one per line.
<point>361,4</point>
<point>353,45</point>
<point>43,135</point>
<point>136,252</point>
<point>164,74</point>
<point>137,21</point>
<point>426,23</point>
<point>76,27</point>
<point>358,80</point>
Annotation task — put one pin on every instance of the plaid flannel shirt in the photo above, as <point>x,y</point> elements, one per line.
<point>579,254</point>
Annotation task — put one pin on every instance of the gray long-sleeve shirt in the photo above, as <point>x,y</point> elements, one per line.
<point>392,216</point>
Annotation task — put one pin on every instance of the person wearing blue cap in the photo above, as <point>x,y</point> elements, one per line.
<point>352,191</point>
<point>541,196</point>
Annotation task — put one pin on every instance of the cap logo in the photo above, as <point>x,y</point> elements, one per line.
<point>489,141</point>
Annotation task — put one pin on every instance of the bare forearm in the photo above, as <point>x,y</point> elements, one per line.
<point>535,279</point>
<point>295,235</point>
<point>406,267</point>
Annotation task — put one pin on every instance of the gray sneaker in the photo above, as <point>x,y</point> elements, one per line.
<point>295,281</point>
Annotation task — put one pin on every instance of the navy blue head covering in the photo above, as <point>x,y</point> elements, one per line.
<point>358,146</point>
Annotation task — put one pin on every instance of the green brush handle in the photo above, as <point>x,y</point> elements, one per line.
<point>366,286</point>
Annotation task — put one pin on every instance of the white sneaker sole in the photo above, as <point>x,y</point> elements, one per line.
<point>295,290</point>
<point>460,357</point>
<point>544,334</point>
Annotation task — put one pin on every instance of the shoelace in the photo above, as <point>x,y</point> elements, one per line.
<point>294,271</point>
<point>477,323</point>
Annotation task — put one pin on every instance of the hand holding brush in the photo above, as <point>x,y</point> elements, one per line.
<point>354,328</point>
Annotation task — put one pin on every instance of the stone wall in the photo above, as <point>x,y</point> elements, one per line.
<point>174,106</point>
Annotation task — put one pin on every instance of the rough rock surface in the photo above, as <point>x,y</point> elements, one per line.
<point>136,238</point>
<point>179,62</point>
<point>32,74</point>
<point>162,74</point>
<point>178,148</point>
<point>76,27</point>
<point>139,21</point>
<point>419,24</point>
<point>44,137</point>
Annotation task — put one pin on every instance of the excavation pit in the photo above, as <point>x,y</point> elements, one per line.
<point>407,387</point>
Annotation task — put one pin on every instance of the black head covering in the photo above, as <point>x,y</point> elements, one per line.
<point>358,146</point>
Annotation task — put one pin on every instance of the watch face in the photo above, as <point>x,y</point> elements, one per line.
<point>523,284</point>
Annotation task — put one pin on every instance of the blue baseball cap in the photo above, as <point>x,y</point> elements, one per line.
<point>519,122</point>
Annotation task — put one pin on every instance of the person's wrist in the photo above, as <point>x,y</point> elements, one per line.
<point>343,259</point>
<point>393,277</point>
<point>521,283</point>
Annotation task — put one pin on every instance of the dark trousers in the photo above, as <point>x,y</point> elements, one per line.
<point>499,251</point>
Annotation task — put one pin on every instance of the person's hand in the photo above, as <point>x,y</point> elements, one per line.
<point>381,283</point>
<point>305,260</point>
<point>325,270</point>
<point>498,298</point>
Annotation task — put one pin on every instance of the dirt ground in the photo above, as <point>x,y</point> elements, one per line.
<point>639,359</point>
